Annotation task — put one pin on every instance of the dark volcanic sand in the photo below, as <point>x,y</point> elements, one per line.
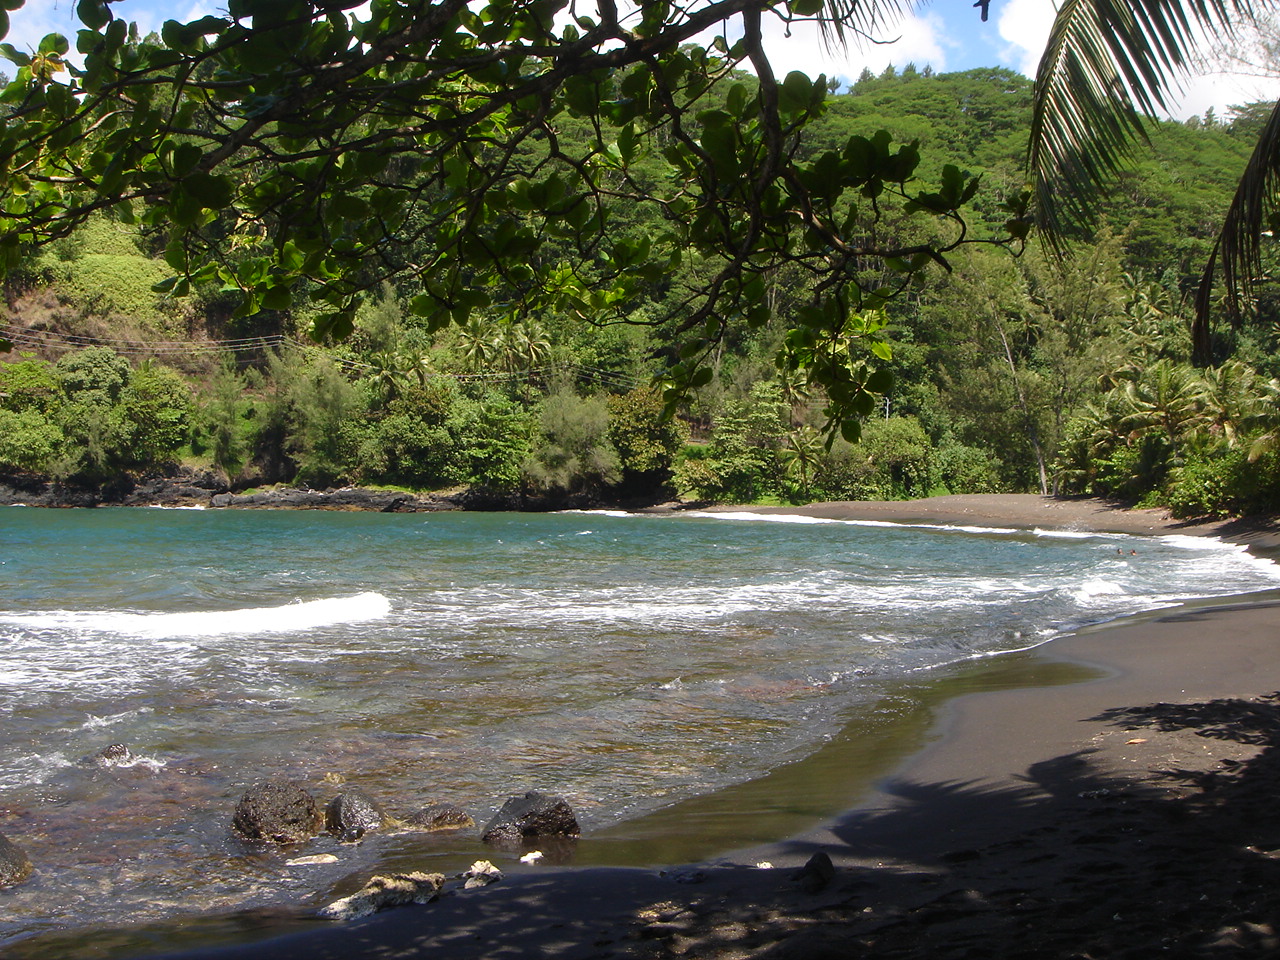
<point>1130,816</point>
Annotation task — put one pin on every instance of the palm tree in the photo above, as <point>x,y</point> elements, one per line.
<point>1168,400</point>
<point>1108,66</point>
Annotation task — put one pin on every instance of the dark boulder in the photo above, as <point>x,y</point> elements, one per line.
<point>352,814</point>
<point>533,815</point>
<point>439,816</point>
<point>14,865</point>
<point>114,755</point>
<point>278,812</point>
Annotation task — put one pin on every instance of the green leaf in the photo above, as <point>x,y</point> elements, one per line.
<point>701,377</point>
<point>54,43</point>
<point>880,381</point>
<point>185,158</point>
<point>212,191</point>
<point>94,14</point>
<point>795,93</point>
<point>806,8</point>
<point>13,55</point>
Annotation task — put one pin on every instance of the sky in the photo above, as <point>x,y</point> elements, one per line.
<point>948,35</point>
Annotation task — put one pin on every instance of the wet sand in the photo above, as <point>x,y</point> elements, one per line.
<point>1129,815</point>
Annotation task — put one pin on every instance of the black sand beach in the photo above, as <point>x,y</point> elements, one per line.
<point>1129,815</point>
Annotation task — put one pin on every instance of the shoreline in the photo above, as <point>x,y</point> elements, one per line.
<point>1118,816</point>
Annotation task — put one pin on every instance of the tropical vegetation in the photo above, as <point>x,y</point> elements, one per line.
<point>593,260</point>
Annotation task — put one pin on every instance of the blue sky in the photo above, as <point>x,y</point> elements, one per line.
<point>946,34</point>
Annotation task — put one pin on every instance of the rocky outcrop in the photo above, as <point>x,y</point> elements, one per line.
<point>352,814</point>
<point>277,812</point>
<point>181,487</point>
<point>14,865</point>
<point>439,816</point>
<point>184,487</point>
<point>533,815</point>
<point>346,498</point>
<point>382,892</point>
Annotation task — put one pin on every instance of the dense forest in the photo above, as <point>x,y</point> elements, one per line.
<point>1009,373</point>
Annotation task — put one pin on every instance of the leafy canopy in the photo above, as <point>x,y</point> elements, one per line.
<point>294,148</point>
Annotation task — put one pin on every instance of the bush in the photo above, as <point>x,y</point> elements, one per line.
<point>742,461</point>
<point>28,441</point>
<point>963,469</point>
<point>571,451</point>
<point>93,375</point>
<point>646,441</point>
<point>493,437</point>
<point>154,416</point>
<point>29,385</point>
<point>1224,483</point>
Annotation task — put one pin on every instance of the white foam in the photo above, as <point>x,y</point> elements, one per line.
<point>97,723</point>
<point>1097,588</point>
<point>287,618</point>
<point>766,517</point>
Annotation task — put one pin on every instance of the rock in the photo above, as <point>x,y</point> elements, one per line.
<point>533,815</point>
<point>14,865</point>
<point>382,892</point>
<point>346,498</point>
<point>351,815</point>
<point>481,874</point>
<point>314,860</point>
<point>815,874</point>
<point>439,816</point>
<point>115,755</point>
<point>278,812</point>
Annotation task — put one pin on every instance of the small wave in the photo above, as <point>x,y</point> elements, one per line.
<point>153,764</point>
<point>1096,588</point>
<point>600,513</point>
<point>1081,535</point>
<point>97,723</point>
<point>287,618</point>
<point>766,517</point>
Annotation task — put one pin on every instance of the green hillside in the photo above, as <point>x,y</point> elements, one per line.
<point>1008,373</point>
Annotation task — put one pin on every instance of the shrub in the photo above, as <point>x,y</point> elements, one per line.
<point>28,441</point>
<point>571,450</point>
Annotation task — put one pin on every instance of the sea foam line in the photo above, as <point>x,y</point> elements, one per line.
<point>286,618</point>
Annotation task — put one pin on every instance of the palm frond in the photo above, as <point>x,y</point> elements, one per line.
<point>1108,64</point>
<point>1239,244</point>
<point>860,19</point>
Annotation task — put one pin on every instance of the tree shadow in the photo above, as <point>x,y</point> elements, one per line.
<point>1081,859</point>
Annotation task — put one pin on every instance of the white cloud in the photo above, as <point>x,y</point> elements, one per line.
<point>37,18</point>
<point>1024,26</point>
<point>909,39</point>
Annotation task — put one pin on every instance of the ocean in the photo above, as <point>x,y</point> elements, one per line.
<point>637,665</point>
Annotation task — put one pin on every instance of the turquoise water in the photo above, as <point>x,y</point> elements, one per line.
<point>625,662</point>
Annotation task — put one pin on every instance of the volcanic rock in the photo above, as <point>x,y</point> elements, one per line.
<point>533,815</point>
<point>382,892</point>
<point>351,815</point>
<point>278,812</point>
<point>439,816</point>
<point>14,865</point>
